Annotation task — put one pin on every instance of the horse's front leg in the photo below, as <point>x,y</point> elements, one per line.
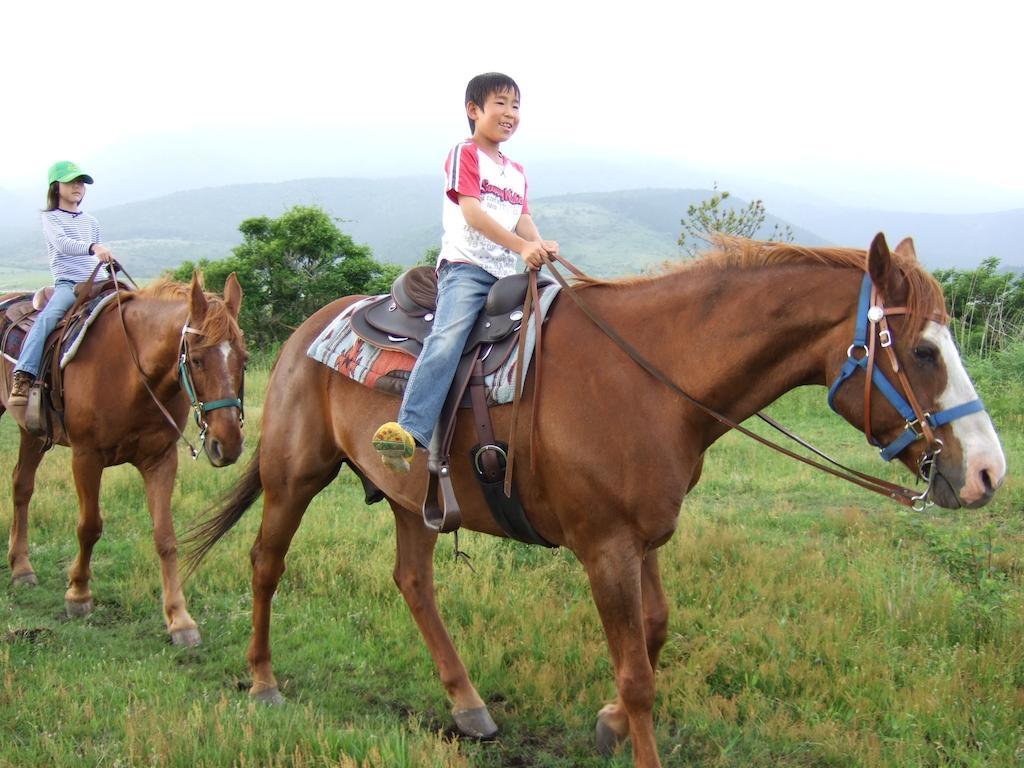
<point>614,570</point>
<point>158,475</point>
<point>30,453</point>
<point>414,575</point>
<point>87,470</point>
<point>612,720</point>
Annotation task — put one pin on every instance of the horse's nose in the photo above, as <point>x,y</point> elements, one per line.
<point>215,452</point>
<point>983,480</point>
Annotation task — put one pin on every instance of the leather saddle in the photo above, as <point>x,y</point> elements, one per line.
<point>402,320</point>
<point>18,313</point>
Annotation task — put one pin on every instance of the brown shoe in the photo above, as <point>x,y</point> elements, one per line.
<point>19,389</point>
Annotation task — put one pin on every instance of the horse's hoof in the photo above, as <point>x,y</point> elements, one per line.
<point>270,696</point>
<point>77,610</point>
<point>607,738</point>
<point>475,723</point>
<point>28,579</point>
<point>187,638</point>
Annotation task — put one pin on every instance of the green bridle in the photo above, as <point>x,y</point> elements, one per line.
<point>199,408</point>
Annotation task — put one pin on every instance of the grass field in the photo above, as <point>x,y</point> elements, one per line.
<point>812,624</point>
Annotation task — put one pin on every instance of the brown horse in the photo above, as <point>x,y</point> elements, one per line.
<point>180,336</point>
<point>616,451</point>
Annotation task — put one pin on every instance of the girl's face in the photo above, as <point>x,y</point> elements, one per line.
<point>71,194</point>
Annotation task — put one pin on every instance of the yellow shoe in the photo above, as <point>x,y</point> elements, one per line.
<point>395,446</point>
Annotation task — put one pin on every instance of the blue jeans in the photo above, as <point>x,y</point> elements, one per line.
<point>461,293</point>
<point>32,350</point>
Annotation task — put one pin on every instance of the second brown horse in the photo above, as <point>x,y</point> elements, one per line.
<point>110,417</point>
<point>616,451</point>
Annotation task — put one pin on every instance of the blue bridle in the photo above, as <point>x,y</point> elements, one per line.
<point>871,318</point>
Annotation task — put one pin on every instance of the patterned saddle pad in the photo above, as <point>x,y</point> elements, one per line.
<point>387,370</point>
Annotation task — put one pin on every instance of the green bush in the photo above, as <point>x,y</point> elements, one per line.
<point>288,268</point>
<point>986,307</point>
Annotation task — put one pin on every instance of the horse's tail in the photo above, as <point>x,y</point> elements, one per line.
<point>200,538</point>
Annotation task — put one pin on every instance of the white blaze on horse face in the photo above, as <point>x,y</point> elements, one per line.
<point>225,350</point>
<point>982,453</point>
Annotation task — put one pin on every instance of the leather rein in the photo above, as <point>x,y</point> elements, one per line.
<point>199,408</point>
<point>871,323</point>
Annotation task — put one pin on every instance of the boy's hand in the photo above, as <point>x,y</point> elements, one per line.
<point>534,254</point>
<point>551,246</point>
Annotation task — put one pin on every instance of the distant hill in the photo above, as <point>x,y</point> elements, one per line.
<point>613,233</point>
<point>941,240</point>
<point>607,233</point>
<point>399,218</point>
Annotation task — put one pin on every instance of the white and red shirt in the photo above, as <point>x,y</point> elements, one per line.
<point>501,189</point>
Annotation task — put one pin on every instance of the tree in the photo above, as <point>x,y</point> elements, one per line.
<point>291,266</point>
<point>713,216</point>
<point>986,306</point>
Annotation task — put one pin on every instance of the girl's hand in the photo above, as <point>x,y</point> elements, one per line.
<point>102,253</point>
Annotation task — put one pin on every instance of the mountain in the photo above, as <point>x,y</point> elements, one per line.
<point>941,240</point>
<point>606,232</point>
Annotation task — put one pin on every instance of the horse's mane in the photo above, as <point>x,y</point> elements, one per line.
<point>217,326</point>
<point>924,294</point>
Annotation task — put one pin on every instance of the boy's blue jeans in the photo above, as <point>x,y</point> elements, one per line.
<point>461,293</point>
<point>32,350</point>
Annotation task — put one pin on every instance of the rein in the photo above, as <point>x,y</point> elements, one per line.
<point>198,406</point>
<point>918,420</point>
<point>184,377</point>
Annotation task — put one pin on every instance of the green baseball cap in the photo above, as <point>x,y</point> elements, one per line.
<point>65,171</point>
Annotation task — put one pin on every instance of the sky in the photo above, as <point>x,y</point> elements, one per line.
<point>909,105</point>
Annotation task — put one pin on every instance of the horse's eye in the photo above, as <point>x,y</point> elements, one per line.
<point>926,353</point>
<point>197,363</point>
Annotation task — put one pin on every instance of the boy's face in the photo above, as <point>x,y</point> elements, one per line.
<point>498,119</point>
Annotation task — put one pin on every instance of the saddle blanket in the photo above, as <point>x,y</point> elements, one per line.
<point>15,337</point>
<point>74,340</point>
<point>339,348</point>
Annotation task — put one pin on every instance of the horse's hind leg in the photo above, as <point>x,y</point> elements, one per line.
<point>286,497</point>
<point>612,721</point>
<point>87,470</point>
<point>30,453</point>
<point>158,476</point>
<point>414,575</point>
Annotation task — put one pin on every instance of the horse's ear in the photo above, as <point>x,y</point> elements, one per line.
<point>884,273</point>
<point>906,249</point>
<point>233,295</point>
<point>197,301</point>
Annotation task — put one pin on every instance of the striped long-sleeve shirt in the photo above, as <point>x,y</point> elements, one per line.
<point>68,237</point>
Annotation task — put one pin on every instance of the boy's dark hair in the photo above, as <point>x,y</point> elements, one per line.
<point>482,86</point>
<point>53,196</point>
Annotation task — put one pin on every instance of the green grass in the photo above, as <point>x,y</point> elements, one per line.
<point>13,279</point>
<point>812,624</point>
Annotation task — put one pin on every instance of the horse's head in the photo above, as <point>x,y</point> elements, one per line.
<point>922,407</point>
<point>213,369</point>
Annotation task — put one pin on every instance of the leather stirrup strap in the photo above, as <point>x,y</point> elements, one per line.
<point>520,374</point>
